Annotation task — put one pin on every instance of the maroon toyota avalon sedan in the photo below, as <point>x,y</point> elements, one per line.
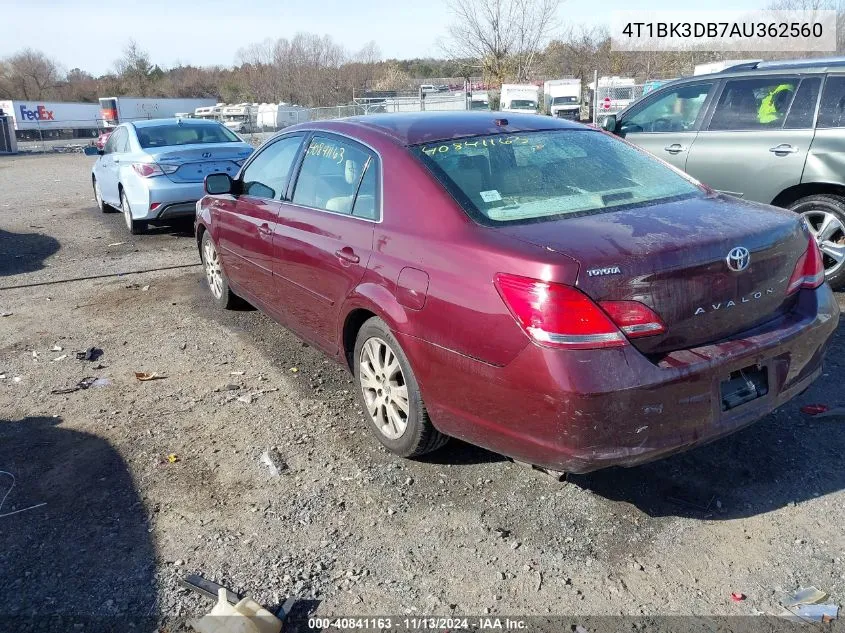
<point>524,283</point>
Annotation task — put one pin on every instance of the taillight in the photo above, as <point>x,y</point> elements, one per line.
<point>149,170</point>
<point>809,270</point>
<point>555,315</point>
<point>633,318</point>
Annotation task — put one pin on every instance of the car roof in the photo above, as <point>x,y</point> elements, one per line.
<point>172,121</point>
<point>412,128</point>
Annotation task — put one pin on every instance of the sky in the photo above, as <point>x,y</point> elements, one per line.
<point>210,32</point>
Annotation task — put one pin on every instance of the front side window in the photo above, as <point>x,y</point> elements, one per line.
<point>335,173</point>
<point>754,104</point>
<point>832,110</point>
<point>268,173</point>
<point>549,175</point>
<point>673,111</point>
<point>184,133</point>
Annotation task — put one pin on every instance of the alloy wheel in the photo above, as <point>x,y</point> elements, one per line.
<point>829,233</point>
<point>384,388</point>
<point>98,195</point>
<point>213,271</point>
<point>127,212</point>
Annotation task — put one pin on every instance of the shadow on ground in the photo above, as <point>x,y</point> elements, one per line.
<point>24,252</point>
<point>84,558</point>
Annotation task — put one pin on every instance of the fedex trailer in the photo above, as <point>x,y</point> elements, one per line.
<point>117,110</point>
<point>51,119</point>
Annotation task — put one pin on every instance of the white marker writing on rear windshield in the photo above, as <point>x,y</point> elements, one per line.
<point>598,272</point>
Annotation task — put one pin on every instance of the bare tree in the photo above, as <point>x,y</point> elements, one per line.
<point>135,69</point>
<point>30,74</point>
<point>505,36</point>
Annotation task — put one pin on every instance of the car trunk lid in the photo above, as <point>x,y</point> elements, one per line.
<point>673,258</point>
<point>193,163</point>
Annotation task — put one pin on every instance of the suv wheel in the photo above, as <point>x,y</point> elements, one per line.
<point>825,217</point>
<point>389,393</point>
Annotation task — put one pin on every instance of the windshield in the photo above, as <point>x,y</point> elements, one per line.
<point>562,100</point>
<point>183,134</point>
<point>523,104</point>
<point>549,175</point>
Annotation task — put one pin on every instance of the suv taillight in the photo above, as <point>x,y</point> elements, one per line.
<point>555,315</point>
<point>809,270</point>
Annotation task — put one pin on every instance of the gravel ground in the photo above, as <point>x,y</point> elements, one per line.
<point>141,483</point>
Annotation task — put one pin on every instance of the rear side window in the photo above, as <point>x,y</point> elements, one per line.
<point>340,176</point>
<point>267,175</point>
<point>183,133</point>
<point>804,105</point>
<point>754,104</point>
<point>549,175</point>
<point>832,110</point>
<point>117,142</point>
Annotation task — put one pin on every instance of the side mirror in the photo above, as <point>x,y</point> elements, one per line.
<point>218,184</point>
<point>90,150</point>
<point>609,124</point>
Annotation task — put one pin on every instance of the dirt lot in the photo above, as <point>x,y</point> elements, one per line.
<point>348,527</point>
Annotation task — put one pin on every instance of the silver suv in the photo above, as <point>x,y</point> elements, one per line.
<point>772,132</point>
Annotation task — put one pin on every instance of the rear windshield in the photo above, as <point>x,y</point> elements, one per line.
<point>183,134</point>
<point>549,175</point>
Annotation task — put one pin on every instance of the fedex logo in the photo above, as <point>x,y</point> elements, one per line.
<point>39,114</point>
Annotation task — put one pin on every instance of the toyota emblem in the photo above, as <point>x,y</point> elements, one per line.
<point>738,259</point>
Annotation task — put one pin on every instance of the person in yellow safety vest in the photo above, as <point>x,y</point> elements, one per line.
<point>770,109</point>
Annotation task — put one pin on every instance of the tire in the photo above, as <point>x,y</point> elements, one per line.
<point>825,216</point>
<point>383,374</point>
<point>136,227</point>
<point>215,276</point>
<point>98,196</point>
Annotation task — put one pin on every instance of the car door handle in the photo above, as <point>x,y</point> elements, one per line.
<point>674,148</point>
<point>347,255</point>
<point>265,229</point>
<point>784,148</point>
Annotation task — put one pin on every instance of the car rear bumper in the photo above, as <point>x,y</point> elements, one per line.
<point>174,200</point>
<point>582,410</point>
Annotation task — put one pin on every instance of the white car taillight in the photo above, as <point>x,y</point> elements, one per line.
<point>150,170</point>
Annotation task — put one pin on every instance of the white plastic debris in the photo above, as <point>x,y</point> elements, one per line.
<point>247,616</point>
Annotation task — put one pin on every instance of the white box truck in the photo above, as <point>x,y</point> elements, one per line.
<point>520,98</point>
<point>562,98</point>
<point>117,110</point>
